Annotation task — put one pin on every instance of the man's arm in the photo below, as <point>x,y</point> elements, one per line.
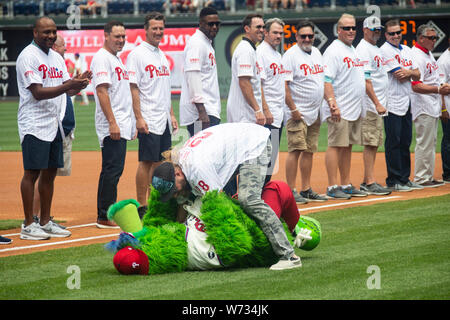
<point>43,93</point>
<point>247,92</point>
<point>141,125</point>
<point>371,94</point>
<point>331,100</point>
<point>194,83</point>
<point>296,115</point>
<point>420,87</point>
<point>265,107</point>
<point>105,104</point>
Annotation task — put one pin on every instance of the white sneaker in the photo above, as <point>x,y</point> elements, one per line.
<point>55,230</point>
<point>285,264</point>
<point>33,232</point>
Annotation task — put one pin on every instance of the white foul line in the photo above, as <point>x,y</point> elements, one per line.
<point>348,203</point>
<point>60,242</point>
<point>72,227</point>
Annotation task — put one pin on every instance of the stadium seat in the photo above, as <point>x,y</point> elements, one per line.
<point>151,5</point>
<point>319,3</point>
<point>219,4</point>
<point>62,5</point>
<point>26,8</point>
<point>121,7</point>
<point>50,7</point>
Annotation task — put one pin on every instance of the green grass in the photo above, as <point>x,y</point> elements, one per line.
<point>408,241</point>
<point>86,138</point>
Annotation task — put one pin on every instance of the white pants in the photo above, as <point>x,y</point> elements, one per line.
<point>425,151</point>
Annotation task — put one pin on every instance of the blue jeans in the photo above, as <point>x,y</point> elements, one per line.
<point>445,149</point>
<point>398,130</point>
<point>113,162</point>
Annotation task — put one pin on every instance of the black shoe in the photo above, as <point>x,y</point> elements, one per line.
<point>142,210</point>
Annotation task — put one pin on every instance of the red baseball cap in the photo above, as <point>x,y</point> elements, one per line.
<point>129,260</point>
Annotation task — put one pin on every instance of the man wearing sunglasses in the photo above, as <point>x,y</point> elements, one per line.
<point>245,101</point>
<point>374,101</point>
<point>398,123</point>
<point>426,106</point>
<point>344,89</point>
<point>303,64</point>
<point>272,83</point>
<point>200,96</point>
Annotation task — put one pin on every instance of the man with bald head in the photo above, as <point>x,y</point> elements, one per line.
<point>344,89</point>
<point>42,81</point>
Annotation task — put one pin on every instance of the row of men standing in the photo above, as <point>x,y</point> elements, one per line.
<point>265,88</point>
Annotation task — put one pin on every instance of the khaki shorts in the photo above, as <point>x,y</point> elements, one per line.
<point>372,130</point>
<point>67,155</point>
<point>344,133</point>
<point>302,137</point>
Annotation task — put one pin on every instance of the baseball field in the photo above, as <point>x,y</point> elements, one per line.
<point>394,247</point>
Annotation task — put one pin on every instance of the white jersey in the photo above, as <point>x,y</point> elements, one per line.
<point>272,79</point>
<point>199,55</point>
<point>201,254</point>
<point>398,92</point>
<point>444,73</point>
<point>304,72</point>
<point>39,118</point>
<point>149,69</point>
<point>243,63</point>
<point>430,103</point>
<point>372,58</point>
<point>343,66</point>
<point>109,69</point>
<point>209,158</point>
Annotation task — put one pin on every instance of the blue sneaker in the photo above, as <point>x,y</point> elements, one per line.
<point>353,192</point>
<point>4,240</point>
<point>337,193</point>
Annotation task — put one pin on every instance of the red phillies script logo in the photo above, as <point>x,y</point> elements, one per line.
<point>431,67</point>
<point>402,61</point>
<point>378,61</point>
<point>212,58</point>
<point>51,73</point>
<point>121,73</point>
<point>154,71</point>
<point>199,225</point>
<point>277,68</point>
<point>315,69</point>
<point>350,63</point>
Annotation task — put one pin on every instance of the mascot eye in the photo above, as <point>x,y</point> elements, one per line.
<point>163,186</point>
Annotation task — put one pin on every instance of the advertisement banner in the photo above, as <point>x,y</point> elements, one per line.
<point>87,42</point>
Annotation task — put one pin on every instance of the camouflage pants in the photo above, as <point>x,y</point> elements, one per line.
<point>252,174</point>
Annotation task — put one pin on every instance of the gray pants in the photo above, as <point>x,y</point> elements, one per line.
<point>251,182</point>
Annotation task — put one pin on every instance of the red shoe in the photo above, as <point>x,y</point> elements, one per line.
<point>106,224</point>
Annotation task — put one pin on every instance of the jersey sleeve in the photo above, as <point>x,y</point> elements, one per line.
<point>193,58</point>
<point>392,63</point>
<point>205,179</point>
<point>101,72</point>
<point>261,61</point>
<point>245,62</point>
<point>288,67</point>
<point>28,70</point>
<point>330,64</point>
<point>132,67</point>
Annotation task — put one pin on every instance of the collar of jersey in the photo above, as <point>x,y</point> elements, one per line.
<point>418,46</point>
<point>399,45</point>
<point>249,41</point>
<point>151,47</point>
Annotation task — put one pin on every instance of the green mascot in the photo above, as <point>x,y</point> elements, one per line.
<point>215,234</point>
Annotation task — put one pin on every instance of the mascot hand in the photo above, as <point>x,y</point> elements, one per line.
<point>125,239</point>
<point>303,236</point>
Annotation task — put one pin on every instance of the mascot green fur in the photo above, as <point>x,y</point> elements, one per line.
<point>216,230</point>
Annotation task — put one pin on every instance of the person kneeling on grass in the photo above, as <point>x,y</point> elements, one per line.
<point>215,233</point>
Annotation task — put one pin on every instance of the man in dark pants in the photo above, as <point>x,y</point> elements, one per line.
<point>398,122</point>
<point>113,116</point>
<point>444,65</point>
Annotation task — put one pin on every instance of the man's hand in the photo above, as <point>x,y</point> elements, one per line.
<point>141,126</point>
<point>268,115</point>
<point>260,118</point>
<point>380,109</point>
<point>335,112</point>
<point>114,131</point>
<point>296,115</point>
<point>402,74</point>
<point>445,116</point>
<point>174,124</point>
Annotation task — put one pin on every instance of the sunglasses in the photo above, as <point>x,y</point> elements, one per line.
<point>163,186</point>
<point>432,38</point>
<point>309,36</point>
<point>394,33</point>
<point>214,23</point>
<point>353,28</point>
<point>375,29</point>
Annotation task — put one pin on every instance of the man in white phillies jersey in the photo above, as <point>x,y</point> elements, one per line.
<point>200,96</point>
<point>344,91</point>
<point>149,73</point>
<point>374,101</point>
<point>43,82</point>
<point>444,67</point>
<point>245,101</point>
<point>272,83</point>
<point>398,123</point>
<point>426,106</point>
<point>304,79</point>
<point>208,160</point>
<point>114,119</point>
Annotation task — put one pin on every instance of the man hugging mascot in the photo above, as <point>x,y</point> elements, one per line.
<point>214,233</point>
